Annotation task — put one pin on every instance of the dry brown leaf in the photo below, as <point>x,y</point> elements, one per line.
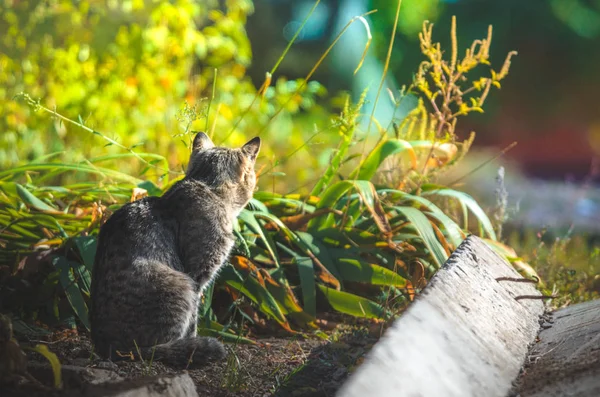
<point>138,193</point>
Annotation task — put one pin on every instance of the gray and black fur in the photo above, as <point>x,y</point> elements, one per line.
<point>156,255</point>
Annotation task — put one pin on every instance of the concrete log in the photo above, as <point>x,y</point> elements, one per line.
<point>465,335</point>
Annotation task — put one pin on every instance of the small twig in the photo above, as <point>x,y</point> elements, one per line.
<point>518,279</point>
<point>520,297</point>
<point>538,356</point>
<point>502,152</point>
<point>212,98</point>
<point>129,355</point>
<point>36,105</point>
<point>43,342</point>
<point>314,69</point>
<point>190,359</point>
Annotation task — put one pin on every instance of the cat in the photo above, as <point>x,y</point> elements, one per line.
<point>156,255</point>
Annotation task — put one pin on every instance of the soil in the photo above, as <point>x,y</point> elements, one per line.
<point>300,365</point>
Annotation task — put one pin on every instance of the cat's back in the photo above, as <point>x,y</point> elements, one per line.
<point>185,194</point>
<point>138,230</point>
<point>132,220</point>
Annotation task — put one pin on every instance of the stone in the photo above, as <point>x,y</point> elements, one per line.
<point>565,360</point>
<point>465,335</point>
<point>172,385</point>
<point>73,376</point>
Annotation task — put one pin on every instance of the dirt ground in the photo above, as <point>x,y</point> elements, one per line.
<point>301,365</point>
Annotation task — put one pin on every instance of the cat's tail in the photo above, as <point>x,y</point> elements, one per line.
<point>193,352</point>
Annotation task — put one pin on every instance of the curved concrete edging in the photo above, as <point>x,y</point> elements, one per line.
<point>465,335</point>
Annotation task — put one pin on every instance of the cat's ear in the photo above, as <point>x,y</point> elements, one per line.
<point>251,148</point>
<point>202,142</point>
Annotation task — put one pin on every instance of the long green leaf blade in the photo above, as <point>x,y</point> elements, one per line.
<point>363,272</point>
<point>249,218</point>
<point>471,204</point>
<point>251,288</point>
<point>376,157</point>
<point>31,201</point>
<point>351,304</point>
<point>425,231</point>
<point>71,288</point>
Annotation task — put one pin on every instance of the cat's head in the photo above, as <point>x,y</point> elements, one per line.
<point>229,171</point>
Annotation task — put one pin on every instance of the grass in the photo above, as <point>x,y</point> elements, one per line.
<point>285,380</point>
<point>235,375</point>
<point>569,265</point>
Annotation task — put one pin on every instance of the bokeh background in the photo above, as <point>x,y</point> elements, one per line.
<point>552,91</point>
<point>549,105</point>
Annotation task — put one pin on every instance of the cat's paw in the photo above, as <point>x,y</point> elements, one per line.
<point>208,350</point>
<point>192,352</point>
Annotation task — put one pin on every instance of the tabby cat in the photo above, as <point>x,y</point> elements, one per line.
<point>156,255</point>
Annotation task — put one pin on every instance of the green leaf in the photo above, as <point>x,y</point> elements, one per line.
<point>453,231</point>
<point>347,236</point>
<point>321,252</point>
<point>296,238</point>
<point>363,272</point>
<point>466,201</point>
<point>31,201</point>
<point>289,205</point>
<point>289,305</point>
<point>250,287</point>
<point>332,196</point>
<point>257,206</point>
<point>226,337</point>
<point>71,288</point>
<point>58,168</point>
<point>156,158</point>
<point>249,219</point>
<point>307,283</point>
<point>55,189</point>
<point>52,359</point>
<point>242,244</point>
<point>306,273</point>
<point>10,191</point>
<point>351,304</point>
<point>266,196</point>
<point>47,157</point>
<point>369,166</point>
<point>151,188</point>
<point>29,331</point>
<point>86,245</point>
<point>425,231</point>
<point>84,277</point>
<point>48,221</point>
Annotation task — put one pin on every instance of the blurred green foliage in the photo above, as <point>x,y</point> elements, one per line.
<point>128,69</point>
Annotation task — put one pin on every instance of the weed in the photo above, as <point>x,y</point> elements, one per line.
<point>568,265</point>
<point>235,376</point>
